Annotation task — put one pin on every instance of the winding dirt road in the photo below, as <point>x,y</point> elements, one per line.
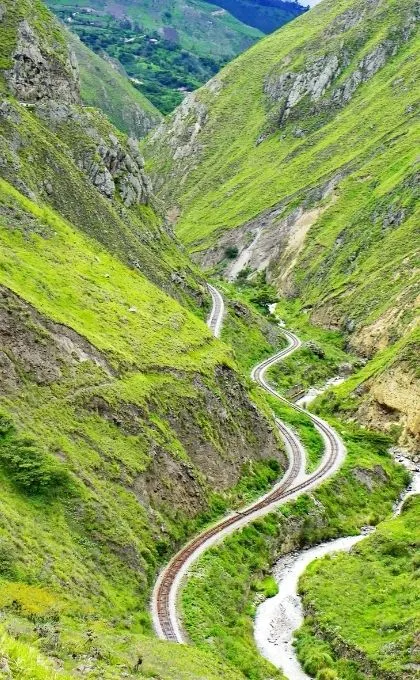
<point>166,592</point>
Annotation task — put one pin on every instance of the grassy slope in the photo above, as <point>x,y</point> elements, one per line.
<point>225,189</point>
<point>49,153</point>
<point>110,388</point>
<point>108,89</point>
<point>84,598</point>
<point>159,659</point>
<point>88,300</point>
<point>347,607</point>
<point>357,270</point>
<point>354,248</point>
<point>101,516</point>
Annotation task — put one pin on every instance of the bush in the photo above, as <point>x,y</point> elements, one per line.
<point>267,586</point>
<point>231,252</point>
<point>8,557</point>
<point>317,662</point>
<point>326,674</point>
<point>30,468</point>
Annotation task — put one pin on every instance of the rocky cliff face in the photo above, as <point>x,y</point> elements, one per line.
<point>117,169</point>
<point>318,79</point>
<point>392,404</point>
<point>39,71</point>
<point>181,140</point>
<point>45,76</point>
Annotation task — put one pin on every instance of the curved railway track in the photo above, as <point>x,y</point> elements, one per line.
<point>215,320</point>
<point>166,591</point>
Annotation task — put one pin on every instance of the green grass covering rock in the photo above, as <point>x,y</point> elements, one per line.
<point>119,388</point>
<point>238,178</point>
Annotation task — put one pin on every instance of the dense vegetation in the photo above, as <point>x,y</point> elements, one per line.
<point>365,602</point>
<point>166,49</point>
<point>105,85</point>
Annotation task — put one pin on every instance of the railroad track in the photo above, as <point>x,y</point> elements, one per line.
<point>294,482</point>
<point>215,320</point>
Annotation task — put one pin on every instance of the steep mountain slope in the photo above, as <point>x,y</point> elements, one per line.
<point>301,157</point>
<point>105,85</point>
<point>123,423</point>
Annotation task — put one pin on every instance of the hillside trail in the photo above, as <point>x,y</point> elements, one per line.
<point>166,593</point>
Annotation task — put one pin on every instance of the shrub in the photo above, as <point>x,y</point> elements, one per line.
<point>267,585</point>
<point>30,468</point>
<point>326,674</point>
<point>264,297</point>
<point>231,252</point>
<point>37,604</point>
<point>316,662</point>
<point>8,557</point>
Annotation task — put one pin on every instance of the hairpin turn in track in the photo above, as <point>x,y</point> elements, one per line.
<point>166,591</point>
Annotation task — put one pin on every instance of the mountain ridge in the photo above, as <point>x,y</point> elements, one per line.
<point>169,48</point>
<point>105,86</point>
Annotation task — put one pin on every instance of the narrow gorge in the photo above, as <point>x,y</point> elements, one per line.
<point>209,340</point>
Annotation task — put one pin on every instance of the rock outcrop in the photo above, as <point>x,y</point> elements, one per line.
<point>316,79</point>
<point>116,170</point>
<point>182,139</point>
<point>291,87</point>
<point>392,404</point>
<point>39,73</point>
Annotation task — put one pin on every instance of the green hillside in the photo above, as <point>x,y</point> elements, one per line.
<point>125,426</point>
<point>104,85</point>
<point>118,409</point>
<point>341,594</point>
<point>301,157</point>
<point>248,142</point>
